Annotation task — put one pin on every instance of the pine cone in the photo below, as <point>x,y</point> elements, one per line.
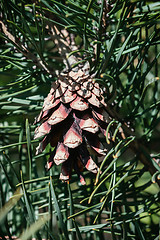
<point>73,115</point>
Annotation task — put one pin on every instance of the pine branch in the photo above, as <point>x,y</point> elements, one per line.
<point>22,49</point>
<point>62,44</point>
<point>137,146</point>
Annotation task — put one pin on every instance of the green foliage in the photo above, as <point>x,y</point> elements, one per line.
<point>122,201</point>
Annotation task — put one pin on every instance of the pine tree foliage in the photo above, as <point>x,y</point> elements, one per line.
<point>119,41</point>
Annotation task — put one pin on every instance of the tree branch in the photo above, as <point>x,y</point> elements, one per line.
<point>21,48</point>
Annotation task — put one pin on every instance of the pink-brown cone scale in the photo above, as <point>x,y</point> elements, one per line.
<point>73,115</point>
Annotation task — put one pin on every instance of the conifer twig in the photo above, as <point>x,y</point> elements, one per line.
<point>21,48</point>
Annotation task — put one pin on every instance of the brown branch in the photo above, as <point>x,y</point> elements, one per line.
<point>21,48</point>
<point>137,146</point>
<point>63,44</point>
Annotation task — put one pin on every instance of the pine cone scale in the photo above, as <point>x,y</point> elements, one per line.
<point>62,154</point>
<point>68,97</point>
<point>42,130</point>
<point>59,115</point>
<point>88,123</point>
<point>73,137</point>
<point>51,105</point>
<point>79,104</point>
<point>87,160</point>
<point>94,101</point>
